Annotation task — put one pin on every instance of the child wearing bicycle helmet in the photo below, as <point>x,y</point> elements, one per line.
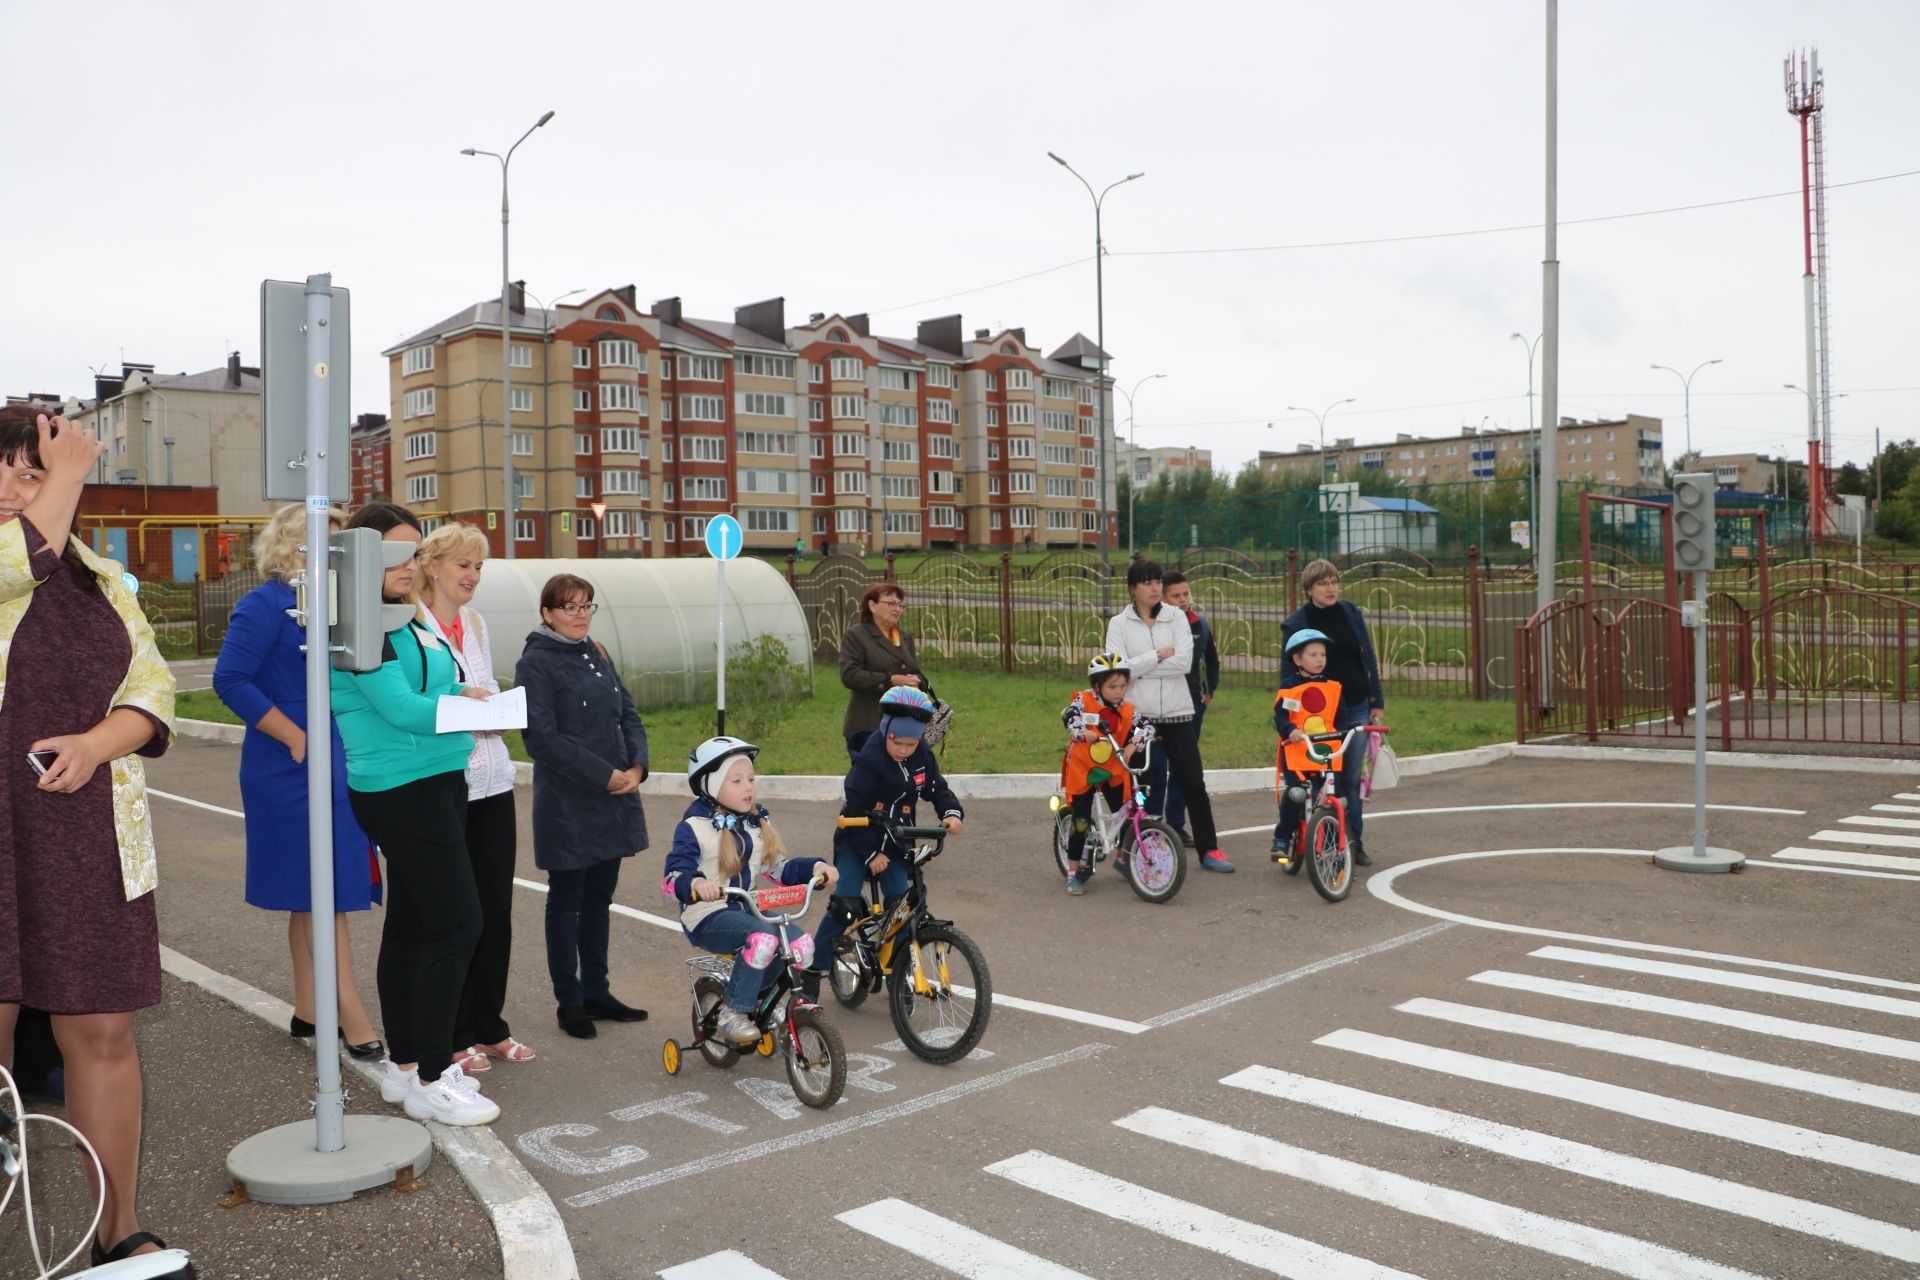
<point>1304,706</point>
<point>892,773</point>
<point>1097,713</point>
<point>727,838</point>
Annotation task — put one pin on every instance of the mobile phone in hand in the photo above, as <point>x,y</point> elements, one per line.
<point>42,761</point>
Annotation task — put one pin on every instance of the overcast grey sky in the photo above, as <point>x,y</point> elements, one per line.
<point>879,157</point>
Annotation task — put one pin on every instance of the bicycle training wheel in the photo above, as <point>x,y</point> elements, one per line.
<point>708,993</point>
<point>848,975</point>
<point>1156,862</point>
<point>940,1007</point>
<point>1329,863</point>
<point>819,1081</point>
<point>1299,856</point>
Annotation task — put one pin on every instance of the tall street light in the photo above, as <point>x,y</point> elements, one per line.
<point>1320,485</point>
<point>1533,443</point>
<point>506,338</point>
<point>1133,446</point>
<point>1100,340</point>
<point>1686,393</point>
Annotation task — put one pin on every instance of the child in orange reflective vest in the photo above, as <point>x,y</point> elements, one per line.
<point>1305,706</point>
<point>1096,714</point>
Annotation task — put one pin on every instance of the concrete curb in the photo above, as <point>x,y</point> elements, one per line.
<point>1721,759</point>
<point>533,1240</point>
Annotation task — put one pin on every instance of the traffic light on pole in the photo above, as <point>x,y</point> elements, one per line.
<point>361,618</point>
<point>1693,521</point>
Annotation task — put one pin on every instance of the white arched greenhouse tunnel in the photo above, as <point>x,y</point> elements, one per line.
<point>656,617</point>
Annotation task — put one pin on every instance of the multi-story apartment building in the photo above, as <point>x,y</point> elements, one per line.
<point>1144,466</point>
<point>371,435</point>
<point>1623,451</point>
<point>1754,472</point>
<point>191,429</point>
<point>631,429</point>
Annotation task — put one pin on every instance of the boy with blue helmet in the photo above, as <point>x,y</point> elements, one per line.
<point>1304,706</point>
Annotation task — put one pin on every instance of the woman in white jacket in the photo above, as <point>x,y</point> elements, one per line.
<point>1158,646</point>
<point>450,562</point>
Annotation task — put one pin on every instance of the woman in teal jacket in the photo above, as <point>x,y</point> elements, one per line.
<point>408,788</point>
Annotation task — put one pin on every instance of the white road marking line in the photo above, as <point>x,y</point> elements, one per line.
<point>1647,1049</point>
<point>1760,1023</point>
<point>1771,1207</point>
<point>1381,885</point>
<point>198,804</point>
<point>1272,1251</point>
<point>1897,808</point>
<point>1793,1140</point>
<point>1874,838</point>
<point>1907,795</point>
<point>1292,975</point>
<point>1741,981</point>
<point>1372,815</point>
<point>1885,861</point>
<point>773,1146</point>
<point>619,909</point>
<point>730,1264</point>
<point>950,1246</point>
<point>1608,1250</point>
<point>1828,871</point>
<point>1898,824</point>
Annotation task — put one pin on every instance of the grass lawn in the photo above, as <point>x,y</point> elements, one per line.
<point>1011,724</point>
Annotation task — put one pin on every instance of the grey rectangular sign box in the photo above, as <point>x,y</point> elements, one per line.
<point>283,393</point>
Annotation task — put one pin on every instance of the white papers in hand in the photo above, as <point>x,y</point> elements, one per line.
<point>468,715</point>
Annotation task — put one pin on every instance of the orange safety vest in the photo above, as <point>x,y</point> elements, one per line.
<point>1092,764</point>
<point>1310,707</point>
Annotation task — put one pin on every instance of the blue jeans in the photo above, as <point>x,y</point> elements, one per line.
<point>1177,803</point>
<point>1351,764</point>
<point>844,909</point>
<point>577,903</point>
<point>726,932</point>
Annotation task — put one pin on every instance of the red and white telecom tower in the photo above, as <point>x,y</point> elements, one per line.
<point>1805,98</point>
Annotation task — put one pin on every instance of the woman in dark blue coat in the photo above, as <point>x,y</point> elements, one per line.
<point>261,675</point>
<point>589,754</point>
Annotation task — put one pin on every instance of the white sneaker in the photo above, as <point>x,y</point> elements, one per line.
<point>445,1101</point>
<point>394,1082</point>
<point>456,1076</point>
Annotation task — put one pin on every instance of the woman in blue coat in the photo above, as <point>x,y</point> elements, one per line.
<point>261,675</point>
<point>589,754</point>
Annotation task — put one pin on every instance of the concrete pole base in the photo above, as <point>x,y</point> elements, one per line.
<point>281,1166</point>
<point>1683,858</point>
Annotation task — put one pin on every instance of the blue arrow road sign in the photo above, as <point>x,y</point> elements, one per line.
<point>723,537</point>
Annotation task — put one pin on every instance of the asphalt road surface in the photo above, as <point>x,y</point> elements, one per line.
<point>1557,1061</point>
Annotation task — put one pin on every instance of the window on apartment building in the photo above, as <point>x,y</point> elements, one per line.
<point>1059,454</point>
<point>1019,446</point>
<point>1058,520</point>
<point>523,529</point>
<point>1022,517</point>
<point>940,375</point>
<point>940,411</point>
<point>703,409</point>
<point>899,415</point>
<point>816,446</point>
<point>1060,486</point>
<point>849,482</point>
<point>1086,458</point>
<point>780,442</point>
<point>1020,482</point>
<point>899,486</point>
<point>1057,389</point>
<point>850,407</point>
<point>942,518</point>
<point>1087,489</point>
<point>850,444</point>
<point>423,488</point>
<point>1055,420</point>
<point>1086,393</point>
<point>820,523</point>
<point>942,482</point>
<point>620,397</point>
<point>522,399</point>
<point>1019,379</point>
<point>993,484</point>
<point>755,480</point>
<point>817,486</point>
<point>900,450</point>
<point>850,521</point>
<point>667,527</point>
<point>619,524</point>
<point>751,364</point>
<point>993,382</point>
<point>703,449</point>
<point>815,374</point>
<point>522,356</point>
<point>896,379</point>
<point>940,447</point>
<point>993,520</point>
<point>422,444</point>
<point>703,489</point>
<point>993,451</point>
<point>766,403</point>
<point>1020,415</point>
<point>583,528</point>
<point>768,519</point>
<point>702,368</point>
<point>619,440</point>
<point>849,369</point>
<point>417,360</point>
<point>582,400</point>
<point>583,444</point>
<point>993,416</point>
<point>583,357</point>
<point>522,488</point>
<point>583,487</point>
<point>417,404</point>
<point>522,444</point>
<point>623,480</point>
<point>693,528</point>
<point>901,522</point>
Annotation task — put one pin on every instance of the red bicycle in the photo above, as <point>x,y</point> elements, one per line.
<point>1321,841</point>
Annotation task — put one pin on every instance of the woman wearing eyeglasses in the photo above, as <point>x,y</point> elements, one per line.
<point>589,754</point>
<point>1351,661</point>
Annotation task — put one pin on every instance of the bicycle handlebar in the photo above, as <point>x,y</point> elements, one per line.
<point>1343,734</point>
<point>775,898</point>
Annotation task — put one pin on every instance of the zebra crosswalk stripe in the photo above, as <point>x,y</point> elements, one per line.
<point>1833,857</point>
<point>951,1246</point>
<point>1742,981</point>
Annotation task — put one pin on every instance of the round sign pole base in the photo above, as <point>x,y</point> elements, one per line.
<point>1683,858</point>
<point>281,1166</point>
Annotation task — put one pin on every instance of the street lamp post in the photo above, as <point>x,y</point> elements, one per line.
<point>1133,446</point>
<point>1686,393</point>
<point>1320,484</point>
<point>506,338</point>
<point>1533,446</point>
<point>1100,340</point>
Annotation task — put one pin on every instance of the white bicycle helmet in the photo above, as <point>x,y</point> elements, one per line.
<point>707,759</point>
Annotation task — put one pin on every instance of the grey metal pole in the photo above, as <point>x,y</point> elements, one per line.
<point>329,1104</point>
<point>1549,531</point>
<point>1100,393</point>
<point>506,372</point>
<point>1700,714</point>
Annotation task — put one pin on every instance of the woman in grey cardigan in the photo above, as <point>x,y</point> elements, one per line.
<point>589,754</point>
<point>875,656</point>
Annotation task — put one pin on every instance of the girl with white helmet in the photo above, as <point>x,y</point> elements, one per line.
<point>727,838</point>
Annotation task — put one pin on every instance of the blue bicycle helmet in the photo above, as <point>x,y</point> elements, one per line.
<point>904,712</point>
<point>1305,636</point>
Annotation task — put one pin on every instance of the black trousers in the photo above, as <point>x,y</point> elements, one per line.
<point>491,835</point>
<point>1182,750</point>
<point>433,913</point>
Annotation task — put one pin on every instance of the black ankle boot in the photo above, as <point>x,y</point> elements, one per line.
<point>577,1022</point>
